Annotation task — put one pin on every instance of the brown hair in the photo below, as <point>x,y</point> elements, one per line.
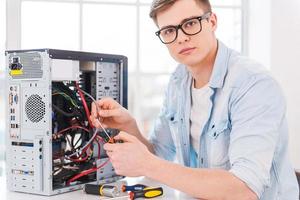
<point>161,5</point>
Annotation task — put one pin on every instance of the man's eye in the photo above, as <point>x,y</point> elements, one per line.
<point>168,31</point>
<point>190,24</point>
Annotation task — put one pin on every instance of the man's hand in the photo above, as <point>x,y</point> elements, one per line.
<point>112,115</point>
<point>130,158</point>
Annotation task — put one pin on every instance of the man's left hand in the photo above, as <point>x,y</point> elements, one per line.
<point>129,158</point>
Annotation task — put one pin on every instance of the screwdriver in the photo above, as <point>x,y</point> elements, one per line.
<point>133,188</point>
<point>146,193</point>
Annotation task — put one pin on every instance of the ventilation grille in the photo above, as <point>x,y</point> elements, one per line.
<point>108,80</point>
<point>32,65</point>
<point>35,108</point>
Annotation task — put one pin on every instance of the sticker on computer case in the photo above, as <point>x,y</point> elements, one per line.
<point>15,66</point>
<point>16,72</point>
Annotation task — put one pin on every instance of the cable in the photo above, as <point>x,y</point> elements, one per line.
<point>99,147</point>
<point>66,96</point>
<point>80,159</point>
<point>86,172</point>
<point>97,140</point>
<point>84,105</point>
<point>90,96</point>
<point>63,112</point>
<point>86,145</point>
<point>56,135</point>
<point>66,129</point>
<point>96,130</point>
<point>61,87</point>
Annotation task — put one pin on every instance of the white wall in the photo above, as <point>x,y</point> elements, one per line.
<point>2,48</point>
<point>274,40</point>
<point>259,31</point>
<point>285,64</point>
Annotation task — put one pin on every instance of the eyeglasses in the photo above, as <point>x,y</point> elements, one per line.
<point>190,26</point>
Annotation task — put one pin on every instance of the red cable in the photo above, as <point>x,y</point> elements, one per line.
<point>84,105</point>
<point>97,139</point>
<point>83,151</point>
<point>86,172</point>
<point>80,159</point>
<point>71,127</point>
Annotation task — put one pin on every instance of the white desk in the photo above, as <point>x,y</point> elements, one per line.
<point>169,193</point>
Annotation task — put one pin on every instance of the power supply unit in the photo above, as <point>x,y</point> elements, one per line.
<point>51,145</point>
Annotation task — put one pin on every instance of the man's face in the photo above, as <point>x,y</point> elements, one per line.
<point>186,49</point>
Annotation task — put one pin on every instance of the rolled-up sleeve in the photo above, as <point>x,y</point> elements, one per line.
<point>256,114</point>
<point>160,136</point>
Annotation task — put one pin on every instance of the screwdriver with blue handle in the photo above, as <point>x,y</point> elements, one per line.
<point>133,188</point>
<point>142,191</point>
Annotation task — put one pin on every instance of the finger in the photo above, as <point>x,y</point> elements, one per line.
<point>93,116</point>
<point>125,137</point>
<point>95,122</point>
<point>104,126</point>
<point>94,110</point>
<point>98,124</point>
<point>105,102</point>
<point>109,113</point>
<point>109,153</point>
<point>109,147</point>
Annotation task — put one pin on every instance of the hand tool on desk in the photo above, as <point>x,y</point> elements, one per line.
<point>140,190</point>
<point>133,188</point>
<point>103,190</point>
<point>146,193</point>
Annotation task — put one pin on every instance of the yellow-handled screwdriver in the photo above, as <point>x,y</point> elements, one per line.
<point>146,193</point>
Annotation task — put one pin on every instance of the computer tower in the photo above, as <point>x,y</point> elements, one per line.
<point>51,147</point>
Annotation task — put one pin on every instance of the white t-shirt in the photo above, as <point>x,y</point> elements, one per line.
<point>199,113</point>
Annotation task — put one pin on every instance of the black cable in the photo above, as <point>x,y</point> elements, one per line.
<point>74,113</point>
<point>65,89</point>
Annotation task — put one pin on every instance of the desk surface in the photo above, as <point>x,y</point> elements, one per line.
<point>169,193</point>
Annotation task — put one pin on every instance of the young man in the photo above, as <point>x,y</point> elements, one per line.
<point>223,118</point>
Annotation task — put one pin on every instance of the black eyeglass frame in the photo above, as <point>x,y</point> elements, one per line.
<point>179,26</point>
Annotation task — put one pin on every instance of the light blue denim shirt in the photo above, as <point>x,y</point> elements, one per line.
<point>246,130</point>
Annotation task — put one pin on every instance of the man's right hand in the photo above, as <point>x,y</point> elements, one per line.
<point>111,115</point>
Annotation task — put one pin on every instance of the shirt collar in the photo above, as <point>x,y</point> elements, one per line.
<point>220,66</point>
